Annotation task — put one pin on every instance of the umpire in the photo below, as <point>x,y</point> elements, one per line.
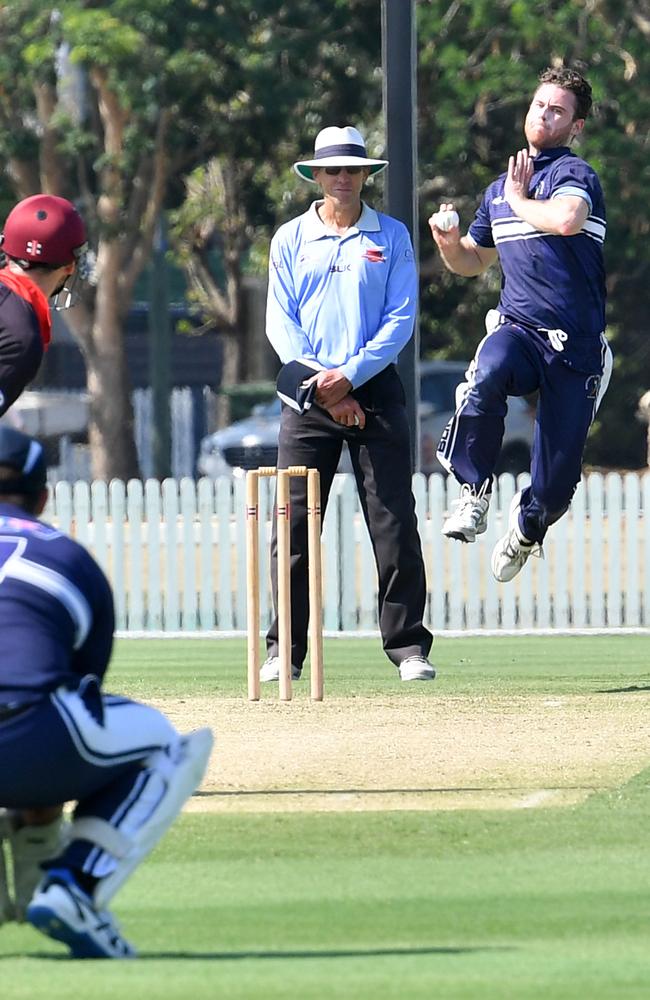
<point>61,738</point>
<point>342,300</point>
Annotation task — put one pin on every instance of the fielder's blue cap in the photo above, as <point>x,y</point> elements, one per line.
<point>26,455</point>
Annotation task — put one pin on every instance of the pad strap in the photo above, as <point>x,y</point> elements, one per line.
<point>101,833</point>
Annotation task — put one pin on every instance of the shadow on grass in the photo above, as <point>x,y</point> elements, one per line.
<point>238,956</point>
<point>625,690</point>
<point>469,789</point>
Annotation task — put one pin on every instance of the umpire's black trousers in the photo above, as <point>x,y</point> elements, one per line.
<point>381,460</point>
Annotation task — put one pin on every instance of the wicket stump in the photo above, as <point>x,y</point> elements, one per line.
<point>283,526</point>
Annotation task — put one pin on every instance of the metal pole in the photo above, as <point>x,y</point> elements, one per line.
<point>399,61</point>
<point>160,355</point>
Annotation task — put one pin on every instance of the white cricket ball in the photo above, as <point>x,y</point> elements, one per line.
<point>446,220</point>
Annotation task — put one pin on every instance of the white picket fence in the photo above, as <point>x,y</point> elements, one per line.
<point>175,554</point>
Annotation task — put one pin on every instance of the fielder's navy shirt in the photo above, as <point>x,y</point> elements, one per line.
<point>551,283</point>
<point>56,609</point>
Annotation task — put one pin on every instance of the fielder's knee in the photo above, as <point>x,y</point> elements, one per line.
<point>156,800</point>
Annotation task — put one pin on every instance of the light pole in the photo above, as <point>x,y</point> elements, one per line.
<point>399,61</point>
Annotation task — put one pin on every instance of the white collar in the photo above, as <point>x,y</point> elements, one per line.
<point>315,228</point>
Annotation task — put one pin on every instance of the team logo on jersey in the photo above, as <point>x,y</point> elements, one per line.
<point>499,200</point>
<point>375,256</point>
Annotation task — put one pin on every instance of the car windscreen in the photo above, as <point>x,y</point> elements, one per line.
<point>439,389</point>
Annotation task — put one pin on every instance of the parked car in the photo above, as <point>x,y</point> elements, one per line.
<point>252,442</point>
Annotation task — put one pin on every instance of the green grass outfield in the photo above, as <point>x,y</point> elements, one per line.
<point>551,904</point>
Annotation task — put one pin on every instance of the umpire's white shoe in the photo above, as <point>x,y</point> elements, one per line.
<point>416,668</point>
<point>61,910</point>
<point>511,552</point>
<point>469,514</point>
<point>270,670</point>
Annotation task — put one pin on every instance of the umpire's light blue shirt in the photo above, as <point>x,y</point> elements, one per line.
<point>346,302</point>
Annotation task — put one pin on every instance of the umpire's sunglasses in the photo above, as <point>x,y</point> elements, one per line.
<point>333,171</point>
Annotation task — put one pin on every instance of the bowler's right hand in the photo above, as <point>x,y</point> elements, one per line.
<point>445,238</point>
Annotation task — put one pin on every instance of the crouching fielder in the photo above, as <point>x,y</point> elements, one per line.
<point>62,739</point>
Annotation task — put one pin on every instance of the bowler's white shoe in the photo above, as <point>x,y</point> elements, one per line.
<point>61,910</point>
<point>469,514</point>
<point>416,668</point>
<point>510,553</point>
<point>270,670</point>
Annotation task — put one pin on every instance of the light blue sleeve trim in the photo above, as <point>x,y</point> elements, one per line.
<point>574,192</point>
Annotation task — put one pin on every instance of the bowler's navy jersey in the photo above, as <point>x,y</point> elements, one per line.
<point>56,609</point>
<point>551,283</point>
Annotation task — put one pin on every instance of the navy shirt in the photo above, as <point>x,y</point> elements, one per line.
<point>551,283</point>
<point>56,609</point>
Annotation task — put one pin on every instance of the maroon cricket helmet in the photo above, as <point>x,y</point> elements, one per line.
<point>44,229</point>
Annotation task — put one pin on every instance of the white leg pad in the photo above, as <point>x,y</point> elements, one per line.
<point>178,783</point>
<point>6,904</point>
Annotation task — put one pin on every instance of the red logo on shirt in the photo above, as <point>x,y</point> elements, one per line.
<point>374,256</point>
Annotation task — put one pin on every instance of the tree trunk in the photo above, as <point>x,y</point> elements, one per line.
<point>111,427</point>
<point>230,375</point>
<point>110,432</point>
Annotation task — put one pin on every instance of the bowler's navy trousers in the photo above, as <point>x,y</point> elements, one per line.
<point>513,361</point>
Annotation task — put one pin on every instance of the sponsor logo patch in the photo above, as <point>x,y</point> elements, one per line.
<point>374,256</point>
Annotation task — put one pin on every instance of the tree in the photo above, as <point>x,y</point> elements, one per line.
<point>112,103</point>
<point>307,66</point>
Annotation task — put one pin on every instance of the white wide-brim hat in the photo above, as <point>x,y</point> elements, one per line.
<point>338,147</point>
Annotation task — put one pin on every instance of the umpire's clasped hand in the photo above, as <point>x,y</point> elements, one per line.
<point>348,413</point>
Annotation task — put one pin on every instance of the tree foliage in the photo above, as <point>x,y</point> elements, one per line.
<point>113,104</point>
<point>108,104</point>
<point>132,107</point>
<point>298,73</point>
